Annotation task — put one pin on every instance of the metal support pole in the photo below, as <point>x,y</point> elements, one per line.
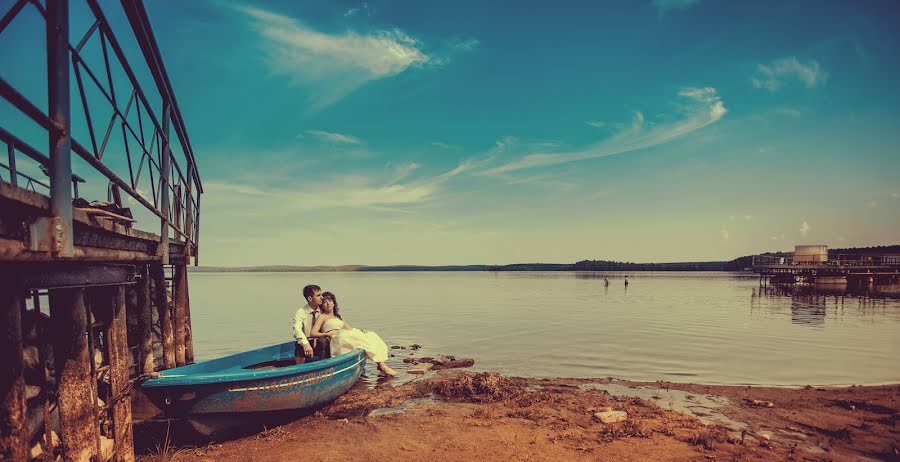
<point>60,133</point>
<point>180,289</point>
<point>165,171</point>
<point>145,321</point>
<point>165,314</point>
<point>117,350</point>
<point>75,392</point>
<point>13,433</point>
<point>11,155</point>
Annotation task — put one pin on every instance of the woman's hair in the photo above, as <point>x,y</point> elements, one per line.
<point>330,296</point>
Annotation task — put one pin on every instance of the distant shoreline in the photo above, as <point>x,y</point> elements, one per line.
<point>630,267</point>
<point>738,264</point>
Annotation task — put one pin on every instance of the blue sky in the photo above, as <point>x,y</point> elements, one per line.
<point>392,132</point>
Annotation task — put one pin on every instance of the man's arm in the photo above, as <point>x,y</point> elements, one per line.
<point>299,336</point>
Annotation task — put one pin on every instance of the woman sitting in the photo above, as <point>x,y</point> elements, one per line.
<point>345,338</point>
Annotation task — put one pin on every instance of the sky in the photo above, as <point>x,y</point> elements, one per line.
<point>387,132</point>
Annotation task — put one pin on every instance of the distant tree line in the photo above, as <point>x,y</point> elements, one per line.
<point>608,265</point>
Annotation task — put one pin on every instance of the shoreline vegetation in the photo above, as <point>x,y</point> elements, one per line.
<point>737,264</point>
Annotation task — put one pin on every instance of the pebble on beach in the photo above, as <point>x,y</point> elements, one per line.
<point>608,417</point>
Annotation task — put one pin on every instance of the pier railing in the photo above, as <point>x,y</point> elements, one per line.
<point>155,169</point>
<point>840,260</point>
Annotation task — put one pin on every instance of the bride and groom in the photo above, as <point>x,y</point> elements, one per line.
<point>320,318</point>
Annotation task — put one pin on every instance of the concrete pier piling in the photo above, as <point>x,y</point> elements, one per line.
<point>13,438</point>
<point>75,392</point>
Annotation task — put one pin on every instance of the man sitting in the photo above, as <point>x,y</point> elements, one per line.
<point>304,318</point>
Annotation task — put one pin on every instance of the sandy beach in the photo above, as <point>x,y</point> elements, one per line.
<point>459,415</point>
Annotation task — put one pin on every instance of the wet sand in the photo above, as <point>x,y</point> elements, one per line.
<point>466,416</point>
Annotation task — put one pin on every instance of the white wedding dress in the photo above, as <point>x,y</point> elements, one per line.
<point>348,339</point>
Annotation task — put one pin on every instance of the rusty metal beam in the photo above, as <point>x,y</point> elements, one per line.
<point>145,321</point>
<point>13,433</point>
<point>117,350</point>
<point>15,250</point>
<point>75,392</point>
<point>160,299</point>
<point>59,275</point>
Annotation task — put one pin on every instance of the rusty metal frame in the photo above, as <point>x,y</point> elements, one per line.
<point>170,178</point>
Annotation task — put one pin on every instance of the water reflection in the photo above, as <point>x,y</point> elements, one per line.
<point>810,302</point>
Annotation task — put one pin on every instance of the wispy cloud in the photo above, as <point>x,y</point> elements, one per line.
<point>350,191</point>
<point>724,234</point>
<point>336,64</point>
<point>442,145</point>
<point>664,6</point>
<point>895,195</point>
<point>702,107</point>
<point>782,71</point>
<point>334,137</point>
<point>596,123</point>
<point>804,228</point>
<point>403,171</point>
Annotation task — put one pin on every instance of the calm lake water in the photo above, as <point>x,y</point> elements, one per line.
<point>717,328</point>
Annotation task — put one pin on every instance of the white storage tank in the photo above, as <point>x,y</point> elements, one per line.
<point>810,254</point>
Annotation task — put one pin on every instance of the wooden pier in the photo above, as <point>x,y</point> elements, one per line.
<point>824,268</point>
<point>93,290</point>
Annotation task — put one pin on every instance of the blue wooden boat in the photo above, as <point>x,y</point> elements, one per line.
<point>259,381</point>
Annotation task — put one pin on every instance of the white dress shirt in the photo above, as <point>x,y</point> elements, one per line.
<point>303,321</point>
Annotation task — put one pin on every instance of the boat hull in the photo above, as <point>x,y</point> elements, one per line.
<point>228,386</point>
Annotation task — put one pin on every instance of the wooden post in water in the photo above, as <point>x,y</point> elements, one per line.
<point>145,321</point>
<point>75,393</point>
<point>13,433</point>
<point>117,350</point>
<point>165,314</point>
<point>179,280</point>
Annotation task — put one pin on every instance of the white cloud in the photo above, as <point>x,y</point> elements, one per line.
<point>442,145</point>
<point>871,204</point>
<point>895,195</point>
<point>665,6</point>
<point>748,217</point>
<point>724,234</point>
<point>781,71</point>
<point>334,64</point>
<point>596,123</point>
<point>804,228</point>
<point>334,137</point>
<point>704,107</point>
<point>773,238</point>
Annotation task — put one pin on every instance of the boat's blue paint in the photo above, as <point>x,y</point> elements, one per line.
<point>224,385</point>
